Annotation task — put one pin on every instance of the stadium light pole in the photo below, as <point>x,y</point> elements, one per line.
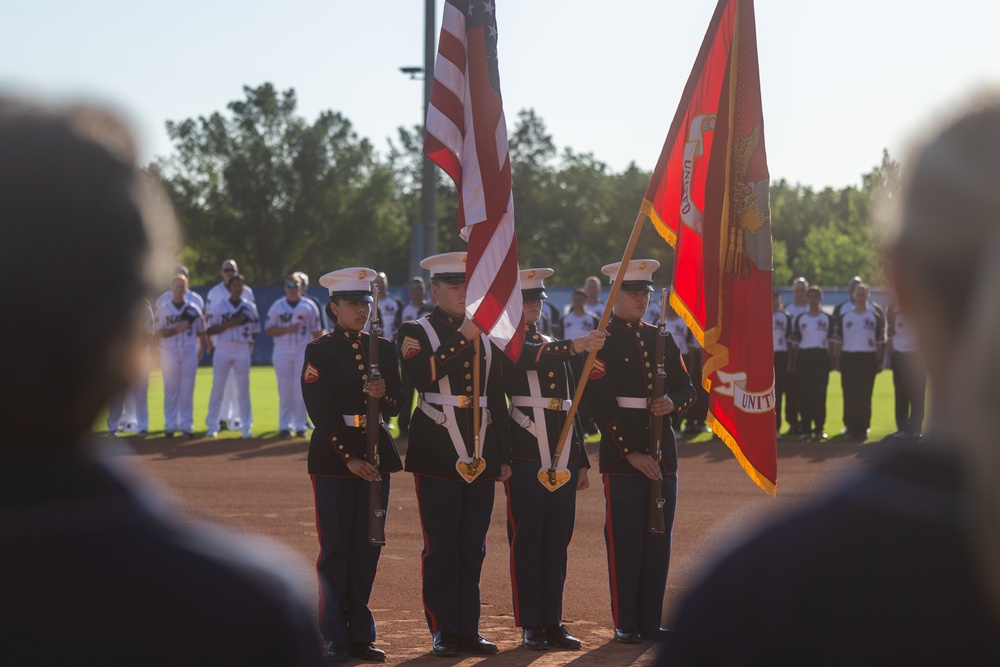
<point>417,230</point>
<point>423,237</point>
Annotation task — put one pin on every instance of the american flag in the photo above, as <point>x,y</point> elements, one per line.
<point>467,137</point>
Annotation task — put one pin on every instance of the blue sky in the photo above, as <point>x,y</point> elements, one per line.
<point>840,80</point>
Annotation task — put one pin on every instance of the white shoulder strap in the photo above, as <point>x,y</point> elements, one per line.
<point>444,385</point>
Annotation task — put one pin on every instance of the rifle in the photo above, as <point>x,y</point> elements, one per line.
<point>654,509</point>
<point>376,513</point>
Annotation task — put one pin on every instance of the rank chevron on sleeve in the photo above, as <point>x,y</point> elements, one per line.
<point>409,347</point>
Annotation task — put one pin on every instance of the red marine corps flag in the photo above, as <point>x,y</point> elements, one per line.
<point>467,137</point>
<point>709,199</point>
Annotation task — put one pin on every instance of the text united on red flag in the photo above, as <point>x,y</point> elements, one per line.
<point>709,199</point>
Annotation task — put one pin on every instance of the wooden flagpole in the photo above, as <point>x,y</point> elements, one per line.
<point>548,477</point>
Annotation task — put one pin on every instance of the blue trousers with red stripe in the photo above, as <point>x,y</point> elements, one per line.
<point>455,517</point>
<point>539,528</point>
<point>637,560</point>
<point>347,562</point>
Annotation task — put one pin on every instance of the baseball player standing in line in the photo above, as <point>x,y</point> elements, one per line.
<point>292,322</point>
<point>189,295</point>
<point>229,415</point>
<point>303,279</point>
<point>180,328</point>
<point>798,306</point>
<point>861,338</point>
<point>390,309</point>
<point>129,412</point>
<point>814,338</point>
<point>235,324</point>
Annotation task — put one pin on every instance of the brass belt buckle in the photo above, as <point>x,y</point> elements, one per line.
<point>554,404</point>
<point>464,401</point>
<point>360,421</point>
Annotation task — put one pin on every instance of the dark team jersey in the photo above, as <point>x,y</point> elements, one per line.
<point>548,361</point>
<point>624,368</point>
<point>431,450</point>
<point>333,379</point>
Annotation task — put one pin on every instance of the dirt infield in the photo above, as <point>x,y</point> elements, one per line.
<point>261,486</point>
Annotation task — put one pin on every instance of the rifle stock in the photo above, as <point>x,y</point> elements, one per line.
<point>654,508</point>
<point>376,513</point>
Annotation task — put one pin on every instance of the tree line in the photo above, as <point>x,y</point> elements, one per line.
<point>262,184</point>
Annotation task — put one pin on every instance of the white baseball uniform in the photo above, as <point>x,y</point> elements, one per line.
<point>652,314</point>
<point>129,413</point>
<point>579,325</point>
<point>678,329</point>
<point>411,312</point>
<point>390,310</point>
<point>289,357</point>
<point>179,363</point>
<point>232,360</point>
<point>228,412</point>
<point>189,297</point>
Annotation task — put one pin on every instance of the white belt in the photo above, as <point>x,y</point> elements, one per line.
<point>537,426</point>
<point>358,421</point>
<point>452,400</point>
<point>632,402</point>
<point>541,402</point>
<point>446,416</point>
<point>524,421</point>
<point>439,417</point>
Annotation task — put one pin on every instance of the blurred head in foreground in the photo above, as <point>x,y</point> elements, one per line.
<point>78,525</point>
<point>72,199</point>
<point>946,268</point>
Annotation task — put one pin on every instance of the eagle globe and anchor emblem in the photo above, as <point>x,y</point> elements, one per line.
<point>748,231</point>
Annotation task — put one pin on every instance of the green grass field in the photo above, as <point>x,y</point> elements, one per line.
<point>264,399</point>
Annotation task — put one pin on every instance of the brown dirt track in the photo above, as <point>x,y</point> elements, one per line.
<point>260,486</point>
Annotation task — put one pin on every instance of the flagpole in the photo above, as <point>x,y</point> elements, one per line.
<point>633,240</point>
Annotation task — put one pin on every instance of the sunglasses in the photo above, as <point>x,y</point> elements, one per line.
<point>292,285</point>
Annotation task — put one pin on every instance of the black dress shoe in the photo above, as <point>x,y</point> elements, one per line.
<point>444,645</point>
<point>284,435</point>
<point>367,651</point>
<point>627,636</point>
<point>557,637</point>
<point>534,638</point>
<point>338,652</point>
<point>300,434</point>
<point>476,644</point>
